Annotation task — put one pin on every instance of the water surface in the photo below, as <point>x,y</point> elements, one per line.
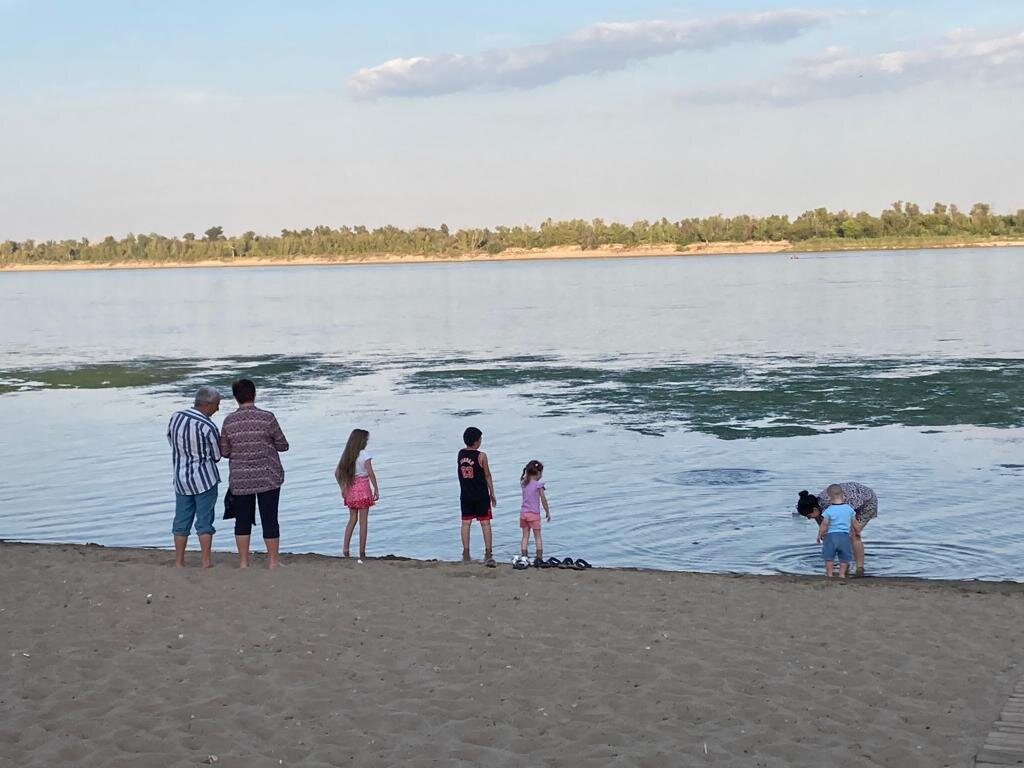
<point>678,403</point>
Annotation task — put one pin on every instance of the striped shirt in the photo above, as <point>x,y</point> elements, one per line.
<point>195,451</point>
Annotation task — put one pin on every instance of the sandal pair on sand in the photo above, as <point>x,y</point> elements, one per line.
<point>554,562</point>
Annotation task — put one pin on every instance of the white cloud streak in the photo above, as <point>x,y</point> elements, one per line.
<point>595,49</point>
<point>964,56</point>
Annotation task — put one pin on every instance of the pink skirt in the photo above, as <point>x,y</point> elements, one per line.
<point>359,495</point>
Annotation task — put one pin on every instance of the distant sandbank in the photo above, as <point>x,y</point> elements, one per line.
<point>514,254</point>
<point>112,657</point>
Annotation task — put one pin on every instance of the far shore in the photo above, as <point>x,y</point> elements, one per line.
<point>522,254</point>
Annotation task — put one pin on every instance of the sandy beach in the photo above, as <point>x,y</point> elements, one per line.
<point>510,254</point>
<point>114,658</point>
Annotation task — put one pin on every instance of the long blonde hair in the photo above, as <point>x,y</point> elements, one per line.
<point>346,469</point>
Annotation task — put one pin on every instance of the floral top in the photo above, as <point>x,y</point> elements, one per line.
<point>251,438</point>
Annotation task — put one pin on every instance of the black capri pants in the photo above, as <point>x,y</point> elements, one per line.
<point>244,508</point>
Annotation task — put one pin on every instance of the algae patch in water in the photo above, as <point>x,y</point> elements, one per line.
<point>751,398</point>
<point>298,371</point>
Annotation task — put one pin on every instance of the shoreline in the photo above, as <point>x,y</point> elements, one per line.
<point>116,658</point>
<point>228,558</point>
<point>723,248</point>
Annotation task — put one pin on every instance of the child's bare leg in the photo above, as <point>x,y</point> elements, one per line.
<point>843,569</point>
<point>524,543</point>
<point>465,538</point>
<point>364,521</point>
<point>828,568</point>
<point>538,542</point>
<point>485,526</point>
<point>353,515</point>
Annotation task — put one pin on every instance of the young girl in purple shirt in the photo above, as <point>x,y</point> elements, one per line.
<point>529,514</point>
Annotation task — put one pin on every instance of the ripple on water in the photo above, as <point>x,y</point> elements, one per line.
<point>717,476</point>
<point>928,560</point>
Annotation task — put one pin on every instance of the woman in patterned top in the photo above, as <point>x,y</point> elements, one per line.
<point>860,497</point>
<point>252,439</point>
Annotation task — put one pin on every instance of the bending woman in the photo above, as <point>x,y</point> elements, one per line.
<point>864,503</point>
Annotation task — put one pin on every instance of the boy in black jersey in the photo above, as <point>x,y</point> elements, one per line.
<point>476,491</point>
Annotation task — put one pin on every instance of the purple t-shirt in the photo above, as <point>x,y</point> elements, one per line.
<point>531,497</point>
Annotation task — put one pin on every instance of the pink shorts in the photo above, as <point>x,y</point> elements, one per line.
<point>529,520</point>
<point>359,495</point>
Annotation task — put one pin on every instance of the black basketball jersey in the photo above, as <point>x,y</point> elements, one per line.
<point>472,482</point>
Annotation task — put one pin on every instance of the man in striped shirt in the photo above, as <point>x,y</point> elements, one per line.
<point>195,451</point>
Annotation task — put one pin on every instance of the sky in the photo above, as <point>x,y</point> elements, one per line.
<point>141,116</point>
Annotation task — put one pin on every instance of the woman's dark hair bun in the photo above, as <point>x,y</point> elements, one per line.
<point>807,503</point>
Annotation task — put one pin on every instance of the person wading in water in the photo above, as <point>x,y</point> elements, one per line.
<point>860,497</point>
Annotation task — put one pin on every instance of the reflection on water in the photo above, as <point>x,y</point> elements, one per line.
<point>678,404</point>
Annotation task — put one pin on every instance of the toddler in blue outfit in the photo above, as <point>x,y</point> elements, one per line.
<point>834,532</point>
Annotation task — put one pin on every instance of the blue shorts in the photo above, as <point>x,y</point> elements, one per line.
<point>837,545</point>
<point>200,508</point>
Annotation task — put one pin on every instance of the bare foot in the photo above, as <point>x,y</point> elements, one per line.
<point>179,564</point>
<point>242,565</point>
<point>465,556</point>
<point>273,564</point>
<point>346,553</point>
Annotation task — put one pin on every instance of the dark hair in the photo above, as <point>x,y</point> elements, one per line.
<point>243,390</point>
<point>471,435</point>
<point>346,469</point>
<point>807,503</point>
<point>532,468</point>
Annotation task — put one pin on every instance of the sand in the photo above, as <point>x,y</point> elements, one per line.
<point>510,254</point>
<point>110,657</point>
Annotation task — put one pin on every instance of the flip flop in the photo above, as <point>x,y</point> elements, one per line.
<point>582,564</point>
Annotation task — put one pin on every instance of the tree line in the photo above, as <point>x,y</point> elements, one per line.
<point>900,222</point>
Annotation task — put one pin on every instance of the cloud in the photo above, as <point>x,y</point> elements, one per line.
<point>964,56</point>
<point>594,49</point>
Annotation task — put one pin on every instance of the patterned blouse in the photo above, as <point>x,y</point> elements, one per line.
<point>860,497</point>
<point>251,438</point>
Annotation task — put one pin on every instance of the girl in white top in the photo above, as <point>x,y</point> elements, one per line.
<point>355,477</point>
